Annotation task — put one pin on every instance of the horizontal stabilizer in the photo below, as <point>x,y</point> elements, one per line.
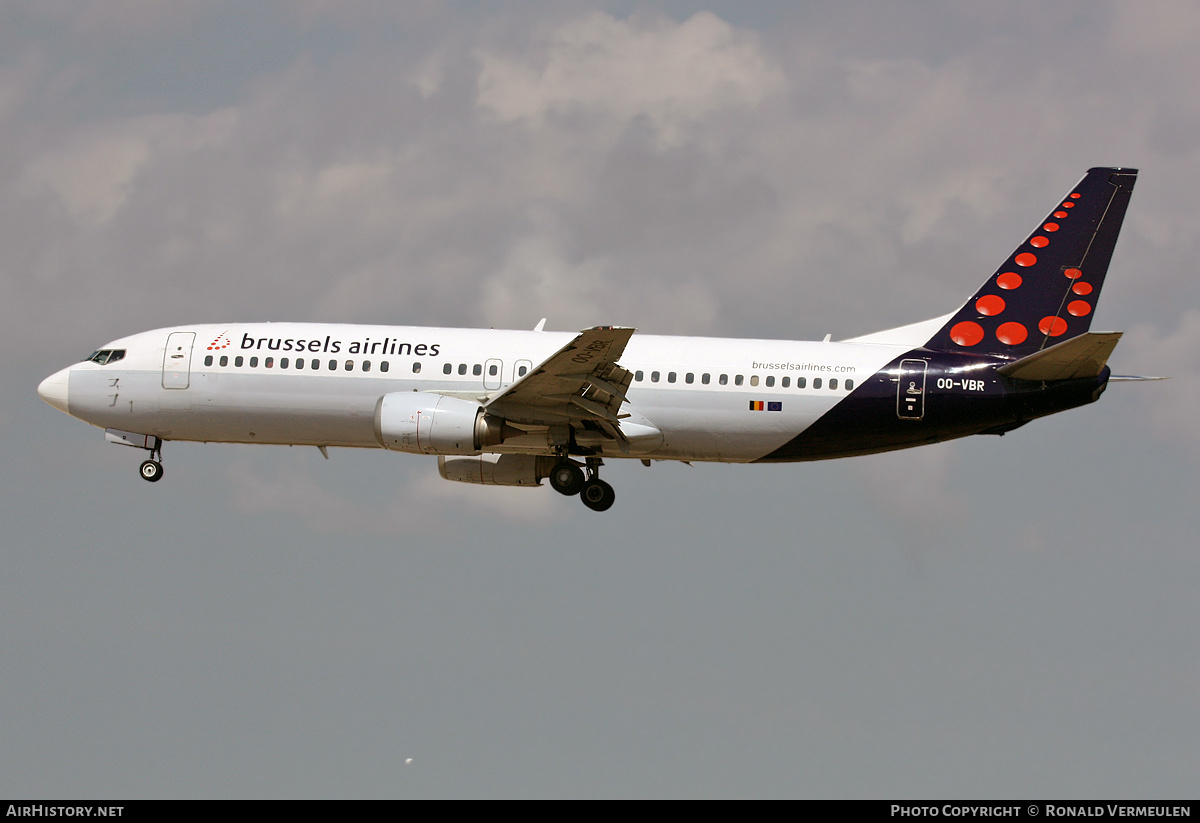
<point>1082,356</point>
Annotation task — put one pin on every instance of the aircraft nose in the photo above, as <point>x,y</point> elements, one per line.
<point>54,389</point>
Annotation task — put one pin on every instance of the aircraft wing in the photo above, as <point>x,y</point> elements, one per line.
<point>582,381</point>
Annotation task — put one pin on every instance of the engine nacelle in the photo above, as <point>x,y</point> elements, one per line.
<point>497,469</point>
<point>435,424</point>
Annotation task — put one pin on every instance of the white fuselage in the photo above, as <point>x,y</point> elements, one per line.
<point>239,383</point>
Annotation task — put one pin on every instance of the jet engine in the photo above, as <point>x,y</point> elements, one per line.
<point>497,469</point>
<point>436,424</point>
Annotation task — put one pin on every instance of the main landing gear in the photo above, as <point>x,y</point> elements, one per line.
<point>568,478</point>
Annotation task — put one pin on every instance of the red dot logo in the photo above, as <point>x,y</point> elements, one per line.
<point>1053,326</point>
<point>1013,334</point>
<point>1081,288</point>
<point>1050,227</point>
<point>1076,195</point>
<point>1060,214</point>
<point>1025,259</point>
<point>966,333</point>
<point>1039,242</point>
<point>1068,205</point>
<point>990,305</point>
<point>1009,280</point>
<point>1074,274</point>
<point>1079,308</point>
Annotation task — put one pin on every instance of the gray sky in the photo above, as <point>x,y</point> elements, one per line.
<point>995,617</point>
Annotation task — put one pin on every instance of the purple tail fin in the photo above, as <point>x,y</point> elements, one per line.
<point>1046,291</point>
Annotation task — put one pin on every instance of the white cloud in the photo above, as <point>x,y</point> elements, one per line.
<point>94,170</point>
<point>671,73</point>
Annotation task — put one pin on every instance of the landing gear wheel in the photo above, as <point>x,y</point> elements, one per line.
<point>566,478</point>
<point>152,470</point>
<point>597,495</point>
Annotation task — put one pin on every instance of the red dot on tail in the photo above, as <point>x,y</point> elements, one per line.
<point>1025,259</point>
<point>1008,280</point>
<point>1074,274</point>
<point>1079,308</point>
<point>966,333</point>
<point>1050,227</point>
<point>1053,326</point>
<point>1039,242</point>
<point>990,305</point>
<point>1068,205</point>
<point>1076,195</point>
<point>1081,288</point>
<point>1060,214</point>
<point>1013,334</point>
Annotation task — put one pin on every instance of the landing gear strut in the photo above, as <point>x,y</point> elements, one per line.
<point>152,469</point>
<point>596,494</point>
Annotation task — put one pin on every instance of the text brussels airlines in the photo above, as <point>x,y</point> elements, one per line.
<point>329,345</point>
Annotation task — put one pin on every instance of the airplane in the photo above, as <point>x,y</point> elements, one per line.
<point>511,408</point>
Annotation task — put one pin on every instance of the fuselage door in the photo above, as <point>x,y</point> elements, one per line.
<point>493,371</point>
<point>910,392</point>
<point>177,360</point>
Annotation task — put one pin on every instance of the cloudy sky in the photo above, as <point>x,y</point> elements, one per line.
<point>996,617</point>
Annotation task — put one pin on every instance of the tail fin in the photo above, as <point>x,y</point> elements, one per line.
<point>1046,291</point>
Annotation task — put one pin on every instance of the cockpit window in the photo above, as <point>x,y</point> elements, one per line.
<point>105,356</point>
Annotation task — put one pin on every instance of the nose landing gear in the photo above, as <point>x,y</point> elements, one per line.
<point>568,478</point>
<point>152,470</point>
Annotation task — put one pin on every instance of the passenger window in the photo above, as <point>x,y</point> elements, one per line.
<point>816,382</point>
<point>704,378</point>
<point>477,370</point>
<point>447,368</point>
<point>207,360</point>
<point>349,365</point>
<point>462,368</point>
<point>522,371</point>
<point>849,385</point>
<point>653,377</point>
<point>283,361</point>
<point>723,379</point>
<point>638,375</point>
<point>801,382</point>
<point>737,380</point>
<point>224,361</point>
<point>315,365</point>
<point>493,370</point>
<point>254,362</point>
<point>754,380</point>
<point>269,362</point>
<point>785,382</point>
<point>299,362</point>
<point>670,377</point>
<point>833,382</point>
<point>237,361</point>
<point>366,365</point>
<point>770,380</point>
<point>689,378</point>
